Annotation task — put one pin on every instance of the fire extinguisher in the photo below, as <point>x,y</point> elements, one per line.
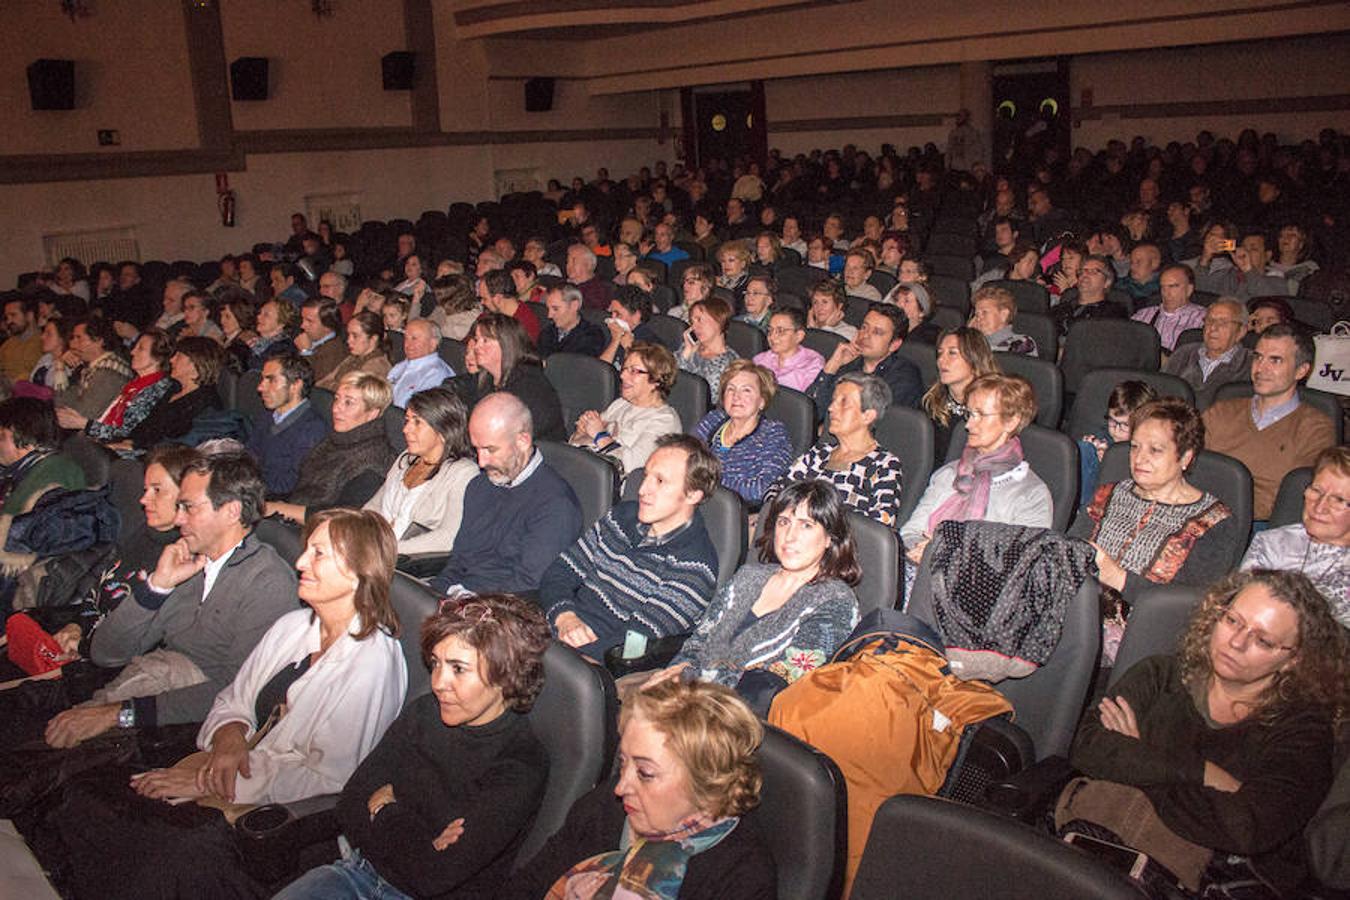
<point>225,200</point>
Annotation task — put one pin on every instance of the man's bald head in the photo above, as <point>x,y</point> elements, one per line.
<point>501,431</point>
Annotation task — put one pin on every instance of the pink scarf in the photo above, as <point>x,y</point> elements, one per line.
<point>975,475</point>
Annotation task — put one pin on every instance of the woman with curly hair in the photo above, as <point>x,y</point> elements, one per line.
<point>688,773</point>
<point>440,806</point>
<point>1229,740</point>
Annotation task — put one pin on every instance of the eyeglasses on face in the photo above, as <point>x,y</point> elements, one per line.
<point>1316,495</point>
<point>1235,624</point>
<point>634,370</point>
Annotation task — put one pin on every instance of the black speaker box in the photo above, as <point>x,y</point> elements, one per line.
<point>248,78</point>
<point>538,94</point>
<point>51,83</point>
<point>397,68</point>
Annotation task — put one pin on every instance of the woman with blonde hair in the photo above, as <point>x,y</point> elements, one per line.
<point>754,451</point>
<point>688,774</point>
<point>963,355</point>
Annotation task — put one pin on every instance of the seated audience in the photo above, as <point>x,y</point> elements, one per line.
<point>348,466</point>
<point>1292,259</point>
<point>733,259</point>
<point>1218,358</point>
<point>365,350</point>
<point>913,300</point>
<point>171,307</point>
<point>1226,745</point>
<point>791,364</point>
<point>687,776</point>
<point>197,311</point>
<point>22,348</point>
<point>753,451</point>
<point>441,805</point>
<point>696,285</point>
<point>238,319</point>
<point>647,566</point>
<point>867,477</point>
<point>1175,313</point>
<point>1273,431</point>
<point>758,300</point>
<point>567,330</point>
<point>962,356</point>
<point>318,339</point>
<point>826,309</point>
<point>1142,282</point>
<point>506,362</point>
<point>422,497</point>
<point>96,371</point>
<point>49,372</point>
<point>858,266</point>
<point>288,426</point>
<point>497,291</point>
<point>422,366</point>
<point>1155,527</point>
<point>311,700</point>
<point>150,387</point>
<point>663,247</point>
<point>1089,299</point>
<point>1125,398</point>
<point>627,429</point>
<point>595,292</point>
<point>32,464</point>
<point>457,306</point>
<point>212,596</point>
<point>194,368</point>
<point>705,352</point>
<point>993,310</point>
<point>787,613</point>
<point>277,323</point>
<point>991,481</point>
<point>1317,545</point>
<point>629,313</point>
<point>875,351</point>
<point>519,514</point>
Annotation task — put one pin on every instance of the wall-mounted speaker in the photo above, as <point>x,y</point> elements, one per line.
<point>248,78</point>
<point>51,83</point>
<point>397,69</point>
<point>538,94</point>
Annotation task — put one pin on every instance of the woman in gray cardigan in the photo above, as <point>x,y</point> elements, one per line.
<point>788,613</point>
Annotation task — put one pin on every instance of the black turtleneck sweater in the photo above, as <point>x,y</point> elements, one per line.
<point>344,469</point>
<point>491,775</point>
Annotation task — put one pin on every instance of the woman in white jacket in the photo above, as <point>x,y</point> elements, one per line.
<point>320,689</point>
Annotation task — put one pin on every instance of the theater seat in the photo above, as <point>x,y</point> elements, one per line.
<point>879,557</point>
<point>1046,380</point>
<point>1288,508</point>
<point>803,815</point>
<point>1108,343</point>
<point>669,331</point>
<point>575,718</point>
<point>593,478</point>
<point>1158,617</point>
<point>908,433</point>
<point>247,400</point>
<point>690,398</point>
<point>747,340</point>
<point>926,848</point>
<point>582,382</point>
<point>797,412</point>
<point>282,535</point>
<point>822,341</point>
<point>393,428</point>
<point>1030,296</point>
<point>1089,405</point>
<point>452,352</point>
<point>322,401</point>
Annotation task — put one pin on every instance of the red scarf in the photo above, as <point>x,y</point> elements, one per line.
<point>115,413</point>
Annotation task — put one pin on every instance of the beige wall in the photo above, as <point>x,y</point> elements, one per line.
<point>128,77</point>
<point>324,73</point>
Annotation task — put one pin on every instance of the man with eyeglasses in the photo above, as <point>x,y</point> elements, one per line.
<point>212,596</point>
<point>1089,300</point>
<point>1218,358</point>
<point>1272,432</point>
<point>1319,545</point>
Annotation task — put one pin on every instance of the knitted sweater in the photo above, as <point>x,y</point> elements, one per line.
<point>871,485</point>
<point>755,461</point>
<point>800,635</point>
<point>1284,766</point>
<point>510,533</point>
<point>344,469</point>
<point>614,583</point>
<point>281,447</point>
<point>1272,453</point>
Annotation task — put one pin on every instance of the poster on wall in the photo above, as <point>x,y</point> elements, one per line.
<point>342,211</point>
<point>514,181</point>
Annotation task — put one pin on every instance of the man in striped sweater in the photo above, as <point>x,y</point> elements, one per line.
<point>646,566</point>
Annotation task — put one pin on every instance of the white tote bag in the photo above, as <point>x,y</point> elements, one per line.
<point>1331,364</point>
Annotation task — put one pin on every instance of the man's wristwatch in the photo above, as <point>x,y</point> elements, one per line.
<point>126,716</point>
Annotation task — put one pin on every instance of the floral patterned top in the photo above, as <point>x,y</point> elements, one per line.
<point>871,485</point>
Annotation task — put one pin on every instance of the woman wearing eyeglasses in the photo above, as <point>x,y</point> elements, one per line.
<point>1318,546</point>
<point>1225,748</point>
<point>1155,527</point>
<point>628,428</point>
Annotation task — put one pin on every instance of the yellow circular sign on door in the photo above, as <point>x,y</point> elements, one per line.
<point>719,122</point>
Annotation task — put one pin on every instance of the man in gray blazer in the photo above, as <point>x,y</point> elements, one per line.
<point>214,593</point>
<point>1219,358</point>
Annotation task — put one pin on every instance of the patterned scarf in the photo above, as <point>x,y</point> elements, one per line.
<point>115,413</point>
<point>644,867</point>
<point>975,475</point>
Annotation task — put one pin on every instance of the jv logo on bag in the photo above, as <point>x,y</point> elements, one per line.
<point>1328,372</point>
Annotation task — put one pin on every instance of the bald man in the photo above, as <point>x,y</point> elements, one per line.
<point>519,515</point>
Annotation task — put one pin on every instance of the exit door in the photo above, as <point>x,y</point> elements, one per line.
<point>1031,112</point>
<point>725,124</point>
